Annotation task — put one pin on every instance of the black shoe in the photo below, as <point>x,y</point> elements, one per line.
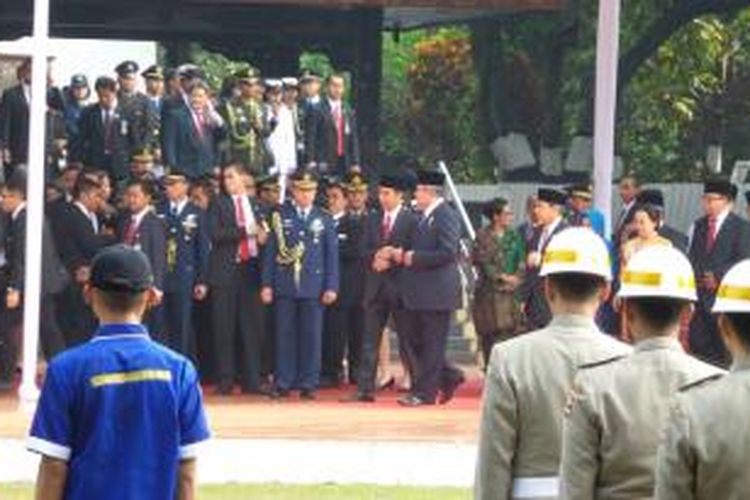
<point>411,400</point>
<point>388,384</point>
<point>359,397</point>
<point>450,390</point>
<point>276,393</point>
<point>254,391</point>
<point>307,395</point>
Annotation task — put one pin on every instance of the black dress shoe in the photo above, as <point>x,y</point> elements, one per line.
<point>307,395</point>
<point>276,393</point>
<point>450,390</point>
<point>358,397</point>
<point>411,400</point>
<point>388,384</point>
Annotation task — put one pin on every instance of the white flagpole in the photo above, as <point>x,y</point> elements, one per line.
<point>607,54</point>
<point>28,391</point>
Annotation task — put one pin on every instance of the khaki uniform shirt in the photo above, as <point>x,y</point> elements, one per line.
<point>528,380</point>
<point>616,416</point>
<point>706,450</point>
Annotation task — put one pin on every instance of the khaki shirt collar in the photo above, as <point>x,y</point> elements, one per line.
<point>573,322</point>
<point>657,343</point>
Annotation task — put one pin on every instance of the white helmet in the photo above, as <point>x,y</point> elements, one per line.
<point>658,271</point>
<point>577,250</point>
<point>733,295</point>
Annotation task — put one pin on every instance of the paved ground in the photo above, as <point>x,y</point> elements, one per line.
<point>291,441</point>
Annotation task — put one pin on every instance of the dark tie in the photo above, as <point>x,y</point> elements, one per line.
<point>711,236</point>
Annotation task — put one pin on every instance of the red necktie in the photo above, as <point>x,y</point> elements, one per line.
<point>130,232</point>
<point>385,230</point>
<point>711,236</point>
<point>243,250</point>
<point>339,117</point>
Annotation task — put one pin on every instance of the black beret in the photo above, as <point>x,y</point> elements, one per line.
<point>393,182</point>
<point>652,197</point>
<point>552,196</point>
<point>720,186</point>
<point>121,268</point>
<point>430,178</point>
<point>126,68</point>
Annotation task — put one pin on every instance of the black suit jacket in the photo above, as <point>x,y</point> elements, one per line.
<point>14,123</point>
<point>225,238</point>
<point>678,238</point>
<point>531,291</point>
<point>54,277</point>
<point>76,239</point>
<point>183,148</point>
<point>385,285</point>
<point>322,138</point>
<point>151,239</point>
<point>433,282</point>
<point>350,229</point>
<point>88,146</point>
<point>732,245</point>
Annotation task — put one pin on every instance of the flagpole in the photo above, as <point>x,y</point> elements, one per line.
<point>607,55</point>
<point>28,392</point>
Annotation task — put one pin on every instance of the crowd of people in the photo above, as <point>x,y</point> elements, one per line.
<point>278,265</point>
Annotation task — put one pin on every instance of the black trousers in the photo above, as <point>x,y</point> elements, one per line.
<point>51,339</point>
<point>238,321</point>
<point>427,337</point>
<point>204,338</point>
<point>705,341</point>
<point>76,318</point>
<point>178,321</point>
<point>376,315</point>
<point>343,327</point>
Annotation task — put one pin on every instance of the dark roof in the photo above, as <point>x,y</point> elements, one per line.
<point>174,19</point>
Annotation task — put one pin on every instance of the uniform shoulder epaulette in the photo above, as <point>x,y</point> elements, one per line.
<point>700,382</point>
<point>601,362</point>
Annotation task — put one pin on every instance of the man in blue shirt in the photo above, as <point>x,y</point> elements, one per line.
<point>120,416</point>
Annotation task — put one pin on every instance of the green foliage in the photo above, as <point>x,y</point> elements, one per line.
<point>316,61</point>
<point>430,101</point>
<point>216,66</point>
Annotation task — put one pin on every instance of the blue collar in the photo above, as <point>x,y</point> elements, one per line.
<point>121,329</point>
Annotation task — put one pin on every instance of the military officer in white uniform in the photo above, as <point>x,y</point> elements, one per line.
<point>706,450</point>
<point>529,377</point>
<point>618,408</point>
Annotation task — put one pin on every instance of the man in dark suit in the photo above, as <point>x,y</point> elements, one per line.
<point>54,277</point>
<point>719,240</point>
<point>431,291</point>
<point>105,138</point>
<point>143,230</point>
<point>300,275</point>
<point>187,262</point>
<point>385,231</point>
<point>548,212</point>
<point>629,187</point>
<point>332,143</point>
<point>237,235</point>
<point>190,134</point>
<point>14,120</point>
<point>334,329</point>
<point>79,239</point>
<point>655,198</point>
